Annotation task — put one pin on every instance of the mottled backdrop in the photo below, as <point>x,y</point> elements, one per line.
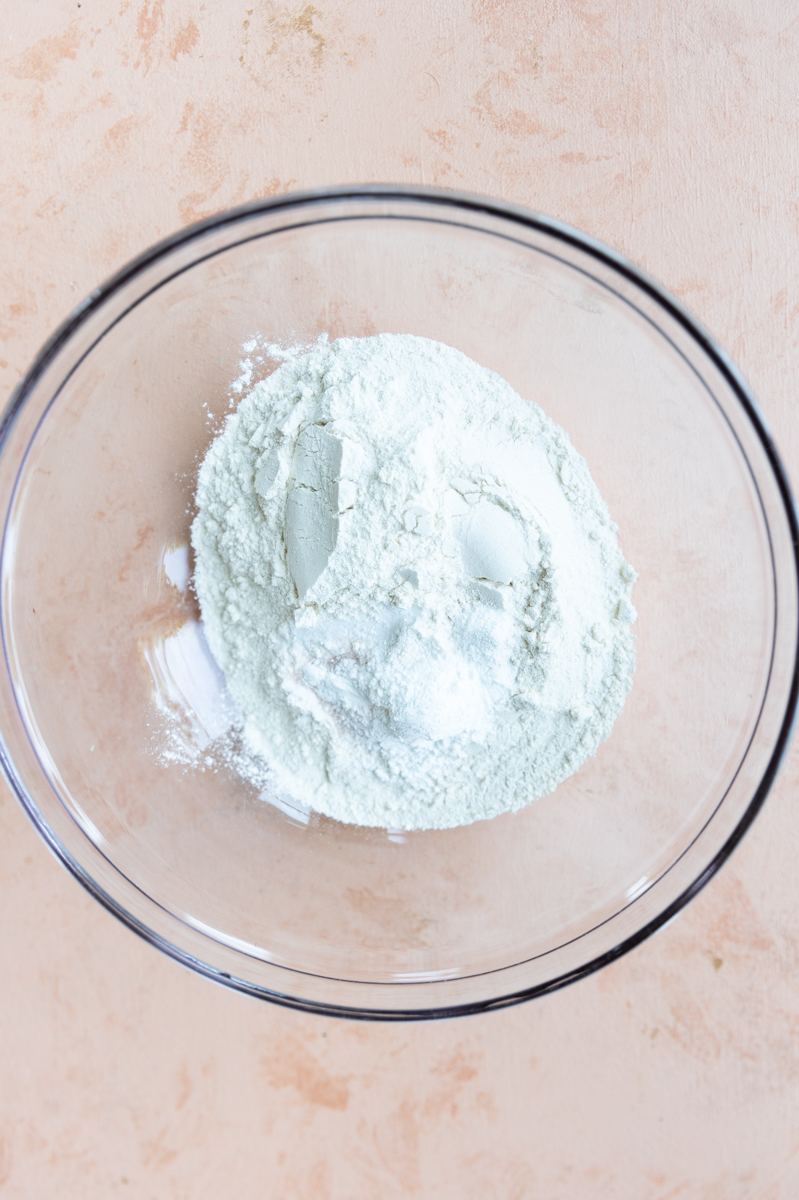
<point>669,130</point>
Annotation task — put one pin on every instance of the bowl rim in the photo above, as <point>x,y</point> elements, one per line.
<point>570,236</point>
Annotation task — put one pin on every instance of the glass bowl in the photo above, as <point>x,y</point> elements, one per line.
<point>104,654</point>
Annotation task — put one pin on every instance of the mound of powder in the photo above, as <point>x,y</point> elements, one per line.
<point>412,586</point>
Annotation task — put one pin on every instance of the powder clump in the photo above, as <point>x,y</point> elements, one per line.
<point>412,586</point>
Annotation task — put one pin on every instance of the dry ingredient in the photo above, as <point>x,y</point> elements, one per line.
<point>412,586</point>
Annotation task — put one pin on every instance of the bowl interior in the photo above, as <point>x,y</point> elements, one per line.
<point>102,463</point>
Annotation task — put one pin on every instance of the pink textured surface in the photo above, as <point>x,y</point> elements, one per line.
<point>670,133</point>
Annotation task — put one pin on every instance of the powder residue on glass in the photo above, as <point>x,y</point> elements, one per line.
<point>412,586</point>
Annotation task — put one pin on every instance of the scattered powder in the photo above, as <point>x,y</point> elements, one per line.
<point>411,585</point>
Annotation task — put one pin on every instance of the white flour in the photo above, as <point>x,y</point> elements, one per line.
<point>412,586</point>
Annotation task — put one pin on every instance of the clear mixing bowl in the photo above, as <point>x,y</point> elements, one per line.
<point>104,658</point>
